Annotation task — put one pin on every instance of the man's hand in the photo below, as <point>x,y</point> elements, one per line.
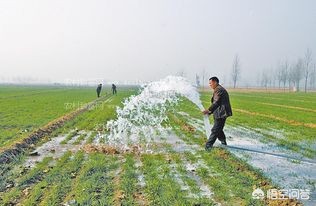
<point>206,111</point>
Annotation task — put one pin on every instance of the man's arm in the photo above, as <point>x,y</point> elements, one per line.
<point>216,101</point>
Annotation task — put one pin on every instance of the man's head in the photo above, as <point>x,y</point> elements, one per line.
<point>213,82</point>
